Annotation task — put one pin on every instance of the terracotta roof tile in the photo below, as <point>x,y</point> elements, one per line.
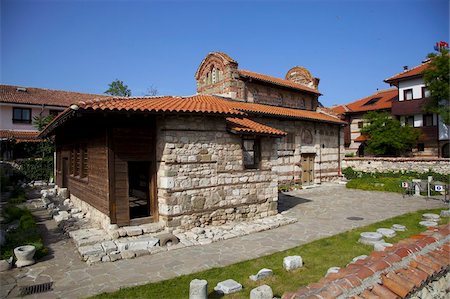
<point>381,100</point>
<point>201,104</point>
<point>245,125</point>
<point>392,273</point>
<point>415,71</point>
<point>42,96</point>
<point>20,136</point>
<point>277,81</point>
<point>383,292</point>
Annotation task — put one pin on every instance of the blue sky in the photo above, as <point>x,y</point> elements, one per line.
<point>84,45</point>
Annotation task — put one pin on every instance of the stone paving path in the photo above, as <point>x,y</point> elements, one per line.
<point>321,212</point>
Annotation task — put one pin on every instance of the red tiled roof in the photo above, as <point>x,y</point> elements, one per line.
<point>415,71</point>
<point>42,96</point>
<point>20,136</point>
<point>204,104</point>
<point>383,100</point>
<point>245,125</point>
<point>396,272</point>
<point>277,81</point>
<point>198,103</point>
<point>276,111</point>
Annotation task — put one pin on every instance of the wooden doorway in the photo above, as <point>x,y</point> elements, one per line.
<point>308,169</point>
<point>139,191</point>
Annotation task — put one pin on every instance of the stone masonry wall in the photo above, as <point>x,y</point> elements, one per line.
<point>307,138</point>
<point>440,165</point>
<point>201,176</point>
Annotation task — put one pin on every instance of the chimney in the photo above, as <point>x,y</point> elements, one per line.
<point>405,67</point>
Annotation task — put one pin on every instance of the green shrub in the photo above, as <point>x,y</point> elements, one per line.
<point>348,155</point>
<point>37,169</point>
<point>25,234</point>
<point>377,184</point>
<point>349,173</point>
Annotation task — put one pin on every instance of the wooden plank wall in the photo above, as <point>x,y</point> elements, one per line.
<point>129,144</point>
<point>93,189</point>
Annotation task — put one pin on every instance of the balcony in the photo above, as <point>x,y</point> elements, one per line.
<point>409,107</point>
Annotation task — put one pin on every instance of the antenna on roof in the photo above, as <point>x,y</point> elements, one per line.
<point>23,89</point>
<point>405,67</point>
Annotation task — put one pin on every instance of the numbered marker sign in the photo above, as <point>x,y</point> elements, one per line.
<point>405,184</point>
<point>438,188</point>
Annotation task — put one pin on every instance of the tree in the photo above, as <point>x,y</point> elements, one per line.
<point>436,79</point>
<point>46,147</point>
<point>151,91</point>
<point>117,88</point>
<point>387,137</point>
<point>40,121</point>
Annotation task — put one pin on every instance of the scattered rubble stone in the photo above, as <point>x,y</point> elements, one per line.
<point>445,213</point>
<point>369,238</point>
<point>198,289</point>
<point>228,286</point>
<point>398,227</point>
<point>133,230</point>
<point>333,270</point>
<point>261,292</point>
<point>388,233</point>
<point>428,223</point>
<point>430,217</point>
<point>359,257</point>
<point>292,262</point>
<point>381,246</point>
<point>263,273</point>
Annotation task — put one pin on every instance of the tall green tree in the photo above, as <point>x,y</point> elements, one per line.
<point>46,147</point>
<point>118,88</point>
<point>436,79</point>
<point>387,137</point>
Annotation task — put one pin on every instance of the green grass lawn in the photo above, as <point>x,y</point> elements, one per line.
<point>317,256</point>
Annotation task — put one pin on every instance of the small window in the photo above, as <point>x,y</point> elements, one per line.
<point>428,120</point>
<point>360,124</point>
<point>420,147</point>
<point>251,152</point>
<point>84,162</point>
<point>426,92</point>
<point>21,115</point>
<point>408,94</point>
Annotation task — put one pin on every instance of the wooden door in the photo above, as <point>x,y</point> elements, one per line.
<point>308,169</point>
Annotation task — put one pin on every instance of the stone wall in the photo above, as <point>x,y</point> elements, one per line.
<point>436,289</point>
<point>305,137</point>
<point>201,176</point>
<point>440,165</point>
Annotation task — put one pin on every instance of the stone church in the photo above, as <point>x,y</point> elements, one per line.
<point>211,158</point>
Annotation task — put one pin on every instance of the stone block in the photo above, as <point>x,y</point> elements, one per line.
<point>228,286</point>
<point>83,237</point>
<point>261,292</point>
<point>388,233</point>
<point>369,238</point>
<point>63,193</point>
<point>62,216</point>
<point>109,246</point>
<point>151,228</point>
<point>445,213</point>
<point>263,273</point>
<point>133,230</point>
<point>398,227</point>
<point>114,256</point>
<point>128,254</point>
<point>167,239</point>
<point>292,262</point>
<point>333,270</point>
<point>198,289</point>
<point>89,250</point>
<point>381,246</point>
<point>428,223</point>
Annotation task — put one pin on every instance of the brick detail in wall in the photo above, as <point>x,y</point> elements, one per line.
<point>399,271</point>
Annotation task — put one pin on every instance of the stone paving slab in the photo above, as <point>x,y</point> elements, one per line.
<point>321,212</point>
